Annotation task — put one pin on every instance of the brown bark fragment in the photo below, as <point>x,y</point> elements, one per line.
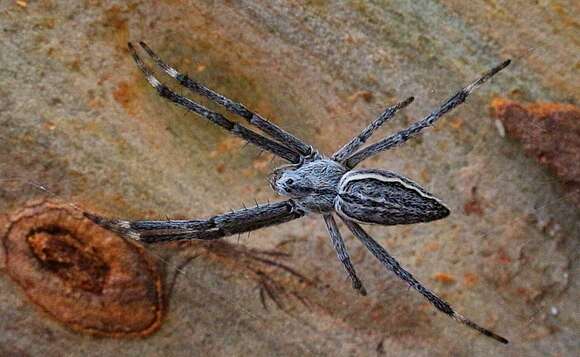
<point>550,133</point>
<point>85,277</point>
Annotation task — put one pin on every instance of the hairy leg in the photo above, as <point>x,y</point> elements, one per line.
<point>342,253</point>
<point>391,264</point>
<point>268,127</point>
<point>216,118</point>
<point>355,143</point>
<point>414,129</point>
<point>240,221</point>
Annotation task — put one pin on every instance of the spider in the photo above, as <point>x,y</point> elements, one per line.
<point>312,183</point>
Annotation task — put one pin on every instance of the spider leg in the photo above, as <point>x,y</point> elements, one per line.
<point>240,221</point>
<point>404,135</point>
<point>216,118</point>
<point>266,126</point>
<point>391,264</point>
<point>355,143</point>
<point>342,253</point>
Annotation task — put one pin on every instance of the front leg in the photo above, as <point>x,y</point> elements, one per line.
<point>404,135</point>
<point>355,143</point>
<point>279,134</point>
<point>236,222</point>
<point>234,128</point>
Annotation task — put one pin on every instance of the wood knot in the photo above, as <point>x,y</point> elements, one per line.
<point>77,264</point>
<point>82,275</point>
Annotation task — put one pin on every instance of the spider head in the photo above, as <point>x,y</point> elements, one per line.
<point>312,179</point>
<point>290,181</point>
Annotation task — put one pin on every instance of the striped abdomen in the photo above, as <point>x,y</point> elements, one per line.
<point>386,198</point>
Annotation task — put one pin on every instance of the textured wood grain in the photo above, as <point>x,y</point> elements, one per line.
<point>76,115</point>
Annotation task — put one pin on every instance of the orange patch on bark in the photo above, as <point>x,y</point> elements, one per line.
<point>470,279</point>
<point>444,278</point>
<point>124,95</point>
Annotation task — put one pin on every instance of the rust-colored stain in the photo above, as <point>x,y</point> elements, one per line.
<point>115,19</point>
<point>128,96</point>
<point>502,257</point>
<point>444,278</point>
<point>227,145</point>
<point>364,94</point>
<point>550,133</point>
<point>123,95</point>
<point>220,168</point>
<point>82,275</point>
<point>474,205</point>
<point>432,246</point>
<point>470,279</point>
<point>529,295</point>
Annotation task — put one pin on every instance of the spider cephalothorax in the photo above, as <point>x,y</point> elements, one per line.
<point>312,183</point>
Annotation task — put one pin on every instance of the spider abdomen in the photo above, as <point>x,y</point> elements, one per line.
<point>386,198</point>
